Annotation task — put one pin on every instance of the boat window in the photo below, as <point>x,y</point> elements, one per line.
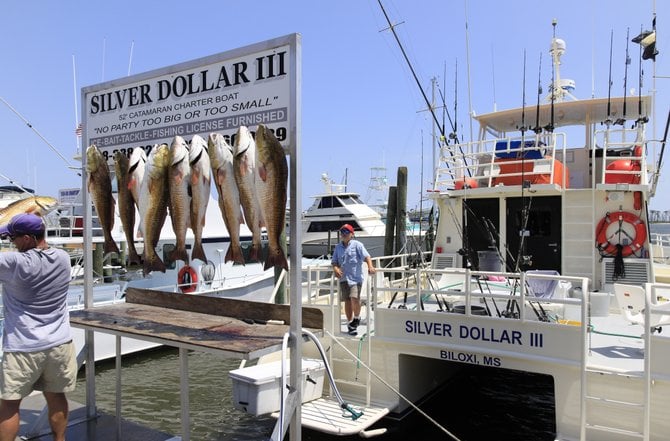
<point>329,202</point>
<point>350,200</point>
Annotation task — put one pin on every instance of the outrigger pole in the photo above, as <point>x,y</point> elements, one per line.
<point>40,135</point>
<point>416,79</point>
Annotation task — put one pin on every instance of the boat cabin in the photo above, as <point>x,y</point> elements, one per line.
<point>567,195</point>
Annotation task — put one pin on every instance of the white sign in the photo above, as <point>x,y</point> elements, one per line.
<point>246,86</point>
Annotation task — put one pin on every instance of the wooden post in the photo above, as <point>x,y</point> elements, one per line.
<point>390,223</point>
<point>401,212</point>
<point>97,259</point>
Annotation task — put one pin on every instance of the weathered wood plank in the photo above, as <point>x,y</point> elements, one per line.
<point>234,337</point>
<point>240,309</point>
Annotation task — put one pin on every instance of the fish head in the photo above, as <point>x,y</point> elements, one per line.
<point>94,158</point>
<point>219,150</point>
<point>197,149</point>
<point>120,163</point>
<point>46,204</point>
<point>178,150</point>
<point>243,140</point>
<point>159,160</point>
<point>267,145</point>
<point>137,156</point>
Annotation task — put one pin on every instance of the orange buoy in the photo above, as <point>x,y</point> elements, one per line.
<point>462,183</point>
<point>610,248</point>
<point>187,279</point>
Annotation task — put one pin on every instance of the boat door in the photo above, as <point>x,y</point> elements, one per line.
<point>481,218</point>
<point>542,232</point>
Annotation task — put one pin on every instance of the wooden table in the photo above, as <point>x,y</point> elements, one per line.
<point>226,327</point>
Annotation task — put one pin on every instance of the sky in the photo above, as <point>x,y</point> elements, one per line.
<point>361,107</point>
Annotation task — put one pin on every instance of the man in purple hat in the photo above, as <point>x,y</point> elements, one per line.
<point>38,353</point>
<point>347,261</point>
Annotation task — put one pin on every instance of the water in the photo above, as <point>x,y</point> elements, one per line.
<point>660,228</point>
<point>481,403</point>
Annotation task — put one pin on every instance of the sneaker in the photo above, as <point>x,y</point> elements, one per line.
<point>355,322</point>
<point>352,331</point>
<point>351,328</point>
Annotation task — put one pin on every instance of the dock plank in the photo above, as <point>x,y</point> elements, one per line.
<point>241,309</point>
<point>226,327</point>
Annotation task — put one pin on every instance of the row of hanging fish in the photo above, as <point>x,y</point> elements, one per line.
<point>250,178</point>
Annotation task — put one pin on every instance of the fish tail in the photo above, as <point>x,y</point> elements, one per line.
<point>179,254</point>
<point>133,257</point>
<point>234,254</point>
<point>276,258</point>
<point>198,251</point>
<point>154,264</point>
<point>255,253</point>
<point>111,247</point>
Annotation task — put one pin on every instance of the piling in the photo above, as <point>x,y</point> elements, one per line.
<point>390,223</point>
<point>97,259</point>
<point>401,211</point>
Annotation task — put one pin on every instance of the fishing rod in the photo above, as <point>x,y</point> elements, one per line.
<point>19,186</point>
<point>521,255</point>
<point>608,121</point>
<point>621,121</point>
<point>453,135</point>
<point>40,135</point>
<point>538,129</point>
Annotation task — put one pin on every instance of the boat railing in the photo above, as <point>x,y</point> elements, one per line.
<point>502,161</point>
<point>480,293</point>
<point>660,246</point>
<point>620,156</point>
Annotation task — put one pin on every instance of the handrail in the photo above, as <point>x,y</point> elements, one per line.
<point>477,162</point>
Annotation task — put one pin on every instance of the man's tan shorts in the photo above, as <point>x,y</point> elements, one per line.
<point>349,291</point>
<point>51,370</point>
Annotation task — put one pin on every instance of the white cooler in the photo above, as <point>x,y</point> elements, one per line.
<point>256,388</point>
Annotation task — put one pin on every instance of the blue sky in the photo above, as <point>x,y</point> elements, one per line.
<point>360,106</point>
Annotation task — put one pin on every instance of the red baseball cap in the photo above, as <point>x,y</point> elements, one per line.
<point>347,227</point>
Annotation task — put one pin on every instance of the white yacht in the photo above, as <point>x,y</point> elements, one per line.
<point>333,208</point>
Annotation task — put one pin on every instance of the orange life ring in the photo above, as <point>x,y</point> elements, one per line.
<point>187,279</point>
<point>610,248</point>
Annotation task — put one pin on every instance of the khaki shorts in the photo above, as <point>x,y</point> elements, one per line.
<point>51,370</point>
<point>349,291</point>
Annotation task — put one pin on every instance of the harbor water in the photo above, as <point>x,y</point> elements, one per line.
<point>472,407</point>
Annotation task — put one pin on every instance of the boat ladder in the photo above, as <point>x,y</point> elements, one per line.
<point>608,410</point>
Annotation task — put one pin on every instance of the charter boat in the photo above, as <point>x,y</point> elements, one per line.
<point>542,265</point>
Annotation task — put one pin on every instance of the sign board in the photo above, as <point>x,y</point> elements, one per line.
<point>68,195</point>
<point>253,85</point>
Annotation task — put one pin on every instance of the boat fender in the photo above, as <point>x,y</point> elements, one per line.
<point>187,279</point>
<point>611,248</point>
<point>372,433</point>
